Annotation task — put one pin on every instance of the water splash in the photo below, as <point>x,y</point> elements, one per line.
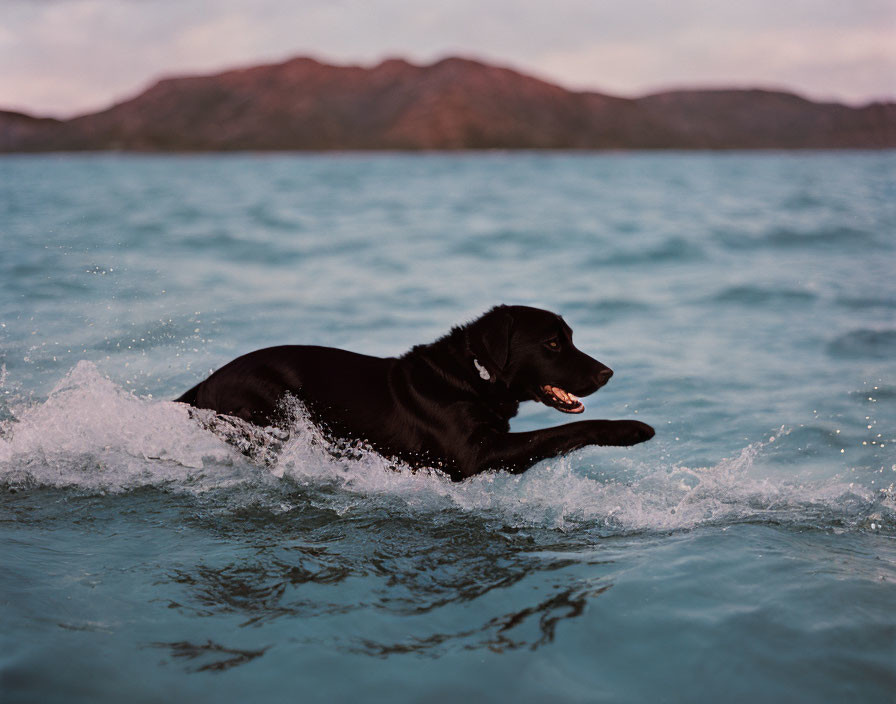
<point>92,435</point>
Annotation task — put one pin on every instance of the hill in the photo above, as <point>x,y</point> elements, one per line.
<point>455,103</point>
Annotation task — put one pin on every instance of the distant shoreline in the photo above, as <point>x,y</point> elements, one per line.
<point>414,153</point>
<point>455,104</point>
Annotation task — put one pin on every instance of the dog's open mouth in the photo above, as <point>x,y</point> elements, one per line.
<point>555,397</point>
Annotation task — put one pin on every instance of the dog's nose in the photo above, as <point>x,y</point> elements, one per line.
<point>603,376</point>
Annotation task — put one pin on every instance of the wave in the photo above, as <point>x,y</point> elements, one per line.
<point>864,343</point>
<point>791,238</point>
<point>669,251</point>
<point>91,435</point>
<point>866,302</point>
<point>875,393</point>
<point>755,295</point>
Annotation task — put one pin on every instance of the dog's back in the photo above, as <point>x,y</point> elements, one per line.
<point>329,381</point>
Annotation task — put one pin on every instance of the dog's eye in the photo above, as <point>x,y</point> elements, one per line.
<point>552,344</point>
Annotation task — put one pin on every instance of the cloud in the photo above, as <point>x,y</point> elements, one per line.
<point>852,64</point>
<point>66,56</point>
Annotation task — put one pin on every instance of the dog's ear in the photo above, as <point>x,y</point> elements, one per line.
<point>489,340</point>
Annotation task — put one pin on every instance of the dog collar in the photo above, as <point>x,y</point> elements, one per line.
<point>483,372</point>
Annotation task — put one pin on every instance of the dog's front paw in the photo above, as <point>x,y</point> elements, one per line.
<point>632,432</point>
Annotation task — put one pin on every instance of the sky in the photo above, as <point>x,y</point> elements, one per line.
<point>66,57</point>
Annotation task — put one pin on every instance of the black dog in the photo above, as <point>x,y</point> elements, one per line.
<point>446,404</point>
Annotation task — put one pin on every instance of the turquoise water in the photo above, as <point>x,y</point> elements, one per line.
<point>746,302</point>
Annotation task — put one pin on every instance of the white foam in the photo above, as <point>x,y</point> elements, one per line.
<point>91,434</point>
<point>559,494</point>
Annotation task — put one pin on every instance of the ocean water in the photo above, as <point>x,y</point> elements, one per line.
<point>746,301</point>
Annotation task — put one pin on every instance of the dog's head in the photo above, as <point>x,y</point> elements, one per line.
<point>531,352</point>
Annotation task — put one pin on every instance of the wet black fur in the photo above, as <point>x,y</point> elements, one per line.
<point>430,407</point>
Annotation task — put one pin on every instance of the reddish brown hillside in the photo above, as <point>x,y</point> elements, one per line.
<point>452,104</point>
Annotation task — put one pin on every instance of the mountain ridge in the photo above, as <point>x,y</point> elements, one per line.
<point>451,104</point>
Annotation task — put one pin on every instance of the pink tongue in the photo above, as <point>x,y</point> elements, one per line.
<point>567,398</point>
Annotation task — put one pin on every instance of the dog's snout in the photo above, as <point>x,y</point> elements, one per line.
<point>603,376</point>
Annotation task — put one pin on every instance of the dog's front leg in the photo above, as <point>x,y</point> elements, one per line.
<point>516,452</point>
